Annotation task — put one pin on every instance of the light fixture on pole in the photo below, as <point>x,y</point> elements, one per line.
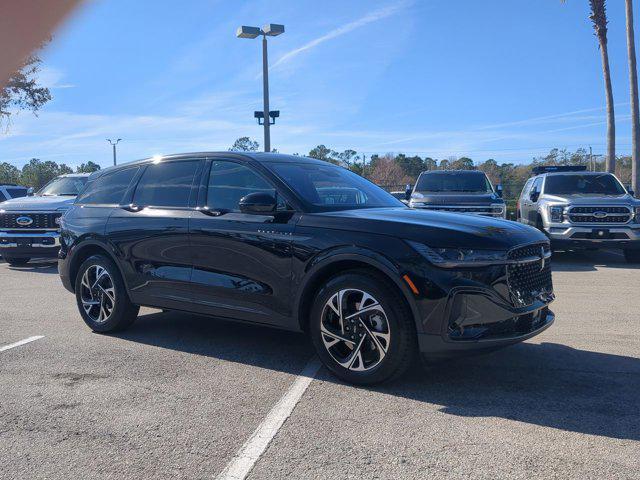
<point>269,30</point>
<point>113,144</point>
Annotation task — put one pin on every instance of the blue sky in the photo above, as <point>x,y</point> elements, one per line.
<point>503,79</point>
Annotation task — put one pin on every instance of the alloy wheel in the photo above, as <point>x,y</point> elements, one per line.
<point>355,329</point>
<point>97,294</point>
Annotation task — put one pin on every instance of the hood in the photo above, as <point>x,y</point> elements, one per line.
<point>456,198</point>
<point>437,229</point>
<point>625,199</point>
<point>36,203</point>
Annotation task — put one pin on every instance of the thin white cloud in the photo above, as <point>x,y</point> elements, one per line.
<point>51,78</point>
<point>371,17</point>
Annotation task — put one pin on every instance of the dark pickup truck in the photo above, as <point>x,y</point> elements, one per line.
<point>461,191</point>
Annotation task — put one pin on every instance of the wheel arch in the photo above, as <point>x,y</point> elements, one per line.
<point>323,270</point>
<point>85,250</point>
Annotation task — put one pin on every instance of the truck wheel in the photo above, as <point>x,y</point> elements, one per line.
<point>102,297</point>
<point>362,329</point>
<point>632,255</point>
<point>16,261</point>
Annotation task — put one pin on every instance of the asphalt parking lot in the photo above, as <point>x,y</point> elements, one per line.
<point>177,395</point>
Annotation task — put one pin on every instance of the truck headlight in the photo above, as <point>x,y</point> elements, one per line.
<point>499,210</point>
<point>556,213</point>
<point>460,257</point>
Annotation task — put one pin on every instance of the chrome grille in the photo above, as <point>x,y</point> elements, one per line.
<point>479,210</point>
<point>8,220</point>
<point>598,214</point>
<point>532,280</point>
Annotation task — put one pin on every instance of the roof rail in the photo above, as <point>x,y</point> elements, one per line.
<point>558,168</point>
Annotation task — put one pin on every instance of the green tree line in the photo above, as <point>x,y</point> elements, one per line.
<point>37,173</point>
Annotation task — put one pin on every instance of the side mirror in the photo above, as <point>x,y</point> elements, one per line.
<point>407,192</point>
<point>632,193</point>
<point>534,196</point>
<point>258,203</point>
<point>499,190</point>
<point>30,192</point>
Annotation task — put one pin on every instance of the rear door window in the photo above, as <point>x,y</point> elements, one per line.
<point>108,189</point>
<point>166,184</point>
<point>17,192</point>
<point>3,197</point>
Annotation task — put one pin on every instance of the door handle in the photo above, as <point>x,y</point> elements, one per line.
<point>211,213</point>
<point>131,208</point>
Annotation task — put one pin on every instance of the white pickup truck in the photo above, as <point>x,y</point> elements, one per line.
<point>29,225</point>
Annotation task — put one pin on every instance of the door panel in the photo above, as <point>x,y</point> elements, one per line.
<point>151,233</point>
<point>153,245</point>
<point>241,262</point>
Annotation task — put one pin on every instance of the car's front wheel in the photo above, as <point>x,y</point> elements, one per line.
<point>101,296</point>
<point>362,329</point>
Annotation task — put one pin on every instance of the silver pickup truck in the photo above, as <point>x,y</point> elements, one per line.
<point>29,225</point>
<point>577,209</point>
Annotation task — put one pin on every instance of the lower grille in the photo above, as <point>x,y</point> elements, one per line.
<point>529,281</point>
<point>37,220</point>
<point>596,214</point>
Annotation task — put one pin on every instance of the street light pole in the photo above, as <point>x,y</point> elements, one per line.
<point>269,30</point>
<point>265,95</point>
<point>113,144</point>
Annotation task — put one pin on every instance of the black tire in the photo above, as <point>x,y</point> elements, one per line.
<point>123,312</point>
<point>632,255</point>
<point>16,261</point>
<point>402,347</point>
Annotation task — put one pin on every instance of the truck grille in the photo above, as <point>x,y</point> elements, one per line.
<point>9,220</point>
<point>529,281</point>
<point>479,210</point>
<point>597,214</point>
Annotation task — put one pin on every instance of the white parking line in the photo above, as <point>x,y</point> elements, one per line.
<point>242,463</point>
<point>21,342</point>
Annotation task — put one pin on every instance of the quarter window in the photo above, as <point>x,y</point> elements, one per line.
<point>229,182</point>
<point>166,184</point>
<point>108,189</point>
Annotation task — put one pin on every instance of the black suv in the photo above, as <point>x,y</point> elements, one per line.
<point>301,244</point>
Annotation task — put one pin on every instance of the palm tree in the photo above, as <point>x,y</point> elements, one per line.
<point>633,80</point>
<point>599,18</point>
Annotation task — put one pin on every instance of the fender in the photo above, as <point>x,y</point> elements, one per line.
<point>318,264</point>
<point>92,241</point>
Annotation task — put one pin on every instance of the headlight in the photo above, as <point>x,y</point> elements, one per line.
<point>636,209</point>
<point>499,210</point>
<point>61,211</point>
<point>416,204</point>
<point>460,257</point>
<point>556,213</point>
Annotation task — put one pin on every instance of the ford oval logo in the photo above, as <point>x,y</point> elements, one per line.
<point>24,221</point>
<point>600,214</point>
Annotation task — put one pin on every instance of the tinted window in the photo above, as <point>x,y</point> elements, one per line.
<point>166,184</point>
<point>453,182</point>
<point>332,188</point>
<point>3,197</point>
<point>526,188</point>
<point>537,185</point>
<point>17,192</point>
<point>65,186</point>
<point>605,184</point>
<point>229,182</point>
<point>108,189</point>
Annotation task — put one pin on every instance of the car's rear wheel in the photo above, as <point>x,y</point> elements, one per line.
<point>632,255</point>
<point>101,296</point>
<point>362,329</point>
<point>16,261</point>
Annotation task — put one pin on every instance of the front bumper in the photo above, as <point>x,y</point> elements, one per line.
<point>42,244</point>
<point>590,236</point>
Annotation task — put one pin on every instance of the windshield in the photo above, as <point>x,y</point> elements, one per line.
<point>328,187</point>
<point>65,186</point>
<point>453,182</point>
<point>605,184</point>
